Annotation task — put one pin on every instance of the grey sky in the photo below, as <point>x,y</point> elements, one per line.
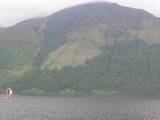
<point>13,11</point>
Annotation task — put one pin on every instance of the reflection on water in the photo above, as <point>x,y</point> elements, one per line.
<point>79,108</point>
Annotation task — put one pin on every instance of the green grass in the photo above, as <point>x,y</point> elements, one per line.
<point>15,53</point>
<point>83,44</point>
<point>15,59</point>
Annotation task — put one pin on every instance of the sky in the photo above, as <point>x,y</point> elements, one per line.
<point>14,11</point>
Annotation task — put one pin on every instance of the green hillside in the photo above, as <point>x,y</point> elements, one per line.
<point>125,69</point>
<point>15,53</point>
<point>15,59</point>
<point>18,46</point>
<point>77,34</point>
<point>91,49</point>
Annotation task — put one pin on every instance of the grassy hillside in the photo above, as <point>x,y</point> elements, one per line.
<point>81,45</point>
<point>15,59</point>
<point>124,69</point>
<point>74,35</point>
<point>92,49</point>
<point>15,53</point>
<point>18,46</point>
<point>25,31</point>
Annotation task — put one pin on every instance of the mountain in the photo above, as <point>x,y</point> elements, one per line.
<point>19,43</point>
<point>104,47</point>
<point>76,34</point>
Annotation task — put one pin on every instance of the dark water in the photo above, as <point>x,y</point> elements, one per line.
<point>79,108</point>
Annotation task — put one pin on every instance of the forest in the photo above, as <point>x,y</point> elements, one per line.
<point>126,68</point>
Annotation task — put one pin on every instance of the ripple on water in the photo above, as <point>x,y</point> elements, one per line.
<point>81,108</point>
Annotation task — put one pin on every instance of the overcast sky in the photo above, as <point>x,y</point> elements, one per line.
<point>13,11</point>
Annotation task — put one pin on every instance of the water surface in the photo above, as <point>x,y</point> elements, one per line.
<point>79,108</point>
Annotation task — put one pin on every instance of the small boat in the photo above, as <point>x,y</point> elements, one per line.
<point>9,93</point>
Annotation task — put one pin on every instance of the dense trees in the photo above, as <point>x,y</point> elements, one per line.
<point>126,68</point>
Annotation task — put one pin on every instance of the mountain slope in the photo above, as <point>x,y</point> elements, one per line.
<point>76,34</point>
<point>18,46</point>
<point>24,31</point>
<point>98,49</point>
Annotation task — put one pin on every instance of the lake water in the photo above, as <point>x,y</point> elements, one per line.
<point>79,108</point>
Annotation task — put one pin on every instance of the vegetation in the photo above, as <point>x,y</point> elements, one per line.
<point>126,68</point>
<point>91,49</point>
<point>15,53</point>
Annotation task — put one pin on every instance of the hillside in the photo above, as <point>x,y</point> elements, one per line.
<point>18,44</point>
<point>24,31</point>
<point>77,34</point>
<point>90,49</point>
